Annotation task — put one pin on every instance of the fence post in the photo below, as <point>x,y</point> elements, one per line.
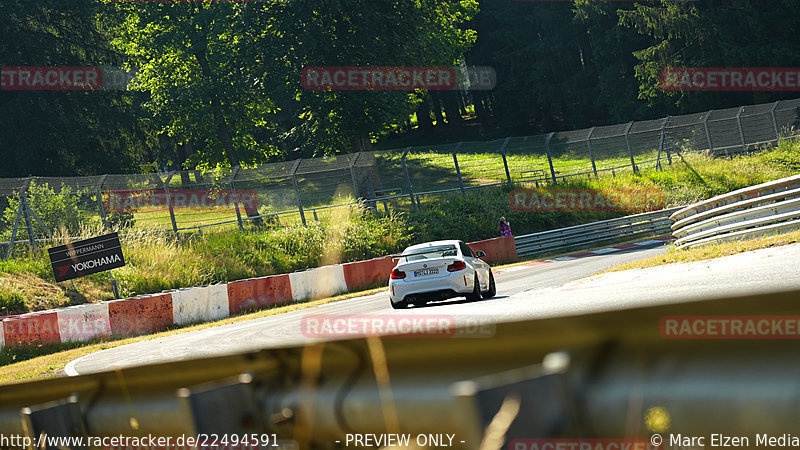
<point>741,130</point>
<point>628,144</point>
<point>297,190</point>
<point>39,221</point>
<point>591,151</point>
<point>169,202</point>
<point>31,213</point>
<point>660,146</point>
<point>458,170</point>
<point>235,172</point>
<point>667,141</point>
<point>371,202</point>
<point>353,175</point>
<point>775,121</point>
<point>505,161</point>
<point>408,178</point>
<point>26,208</point>
<point>14,231</point>
<point>549,158</point>
<point>708,133</point>
<point>100,207</point>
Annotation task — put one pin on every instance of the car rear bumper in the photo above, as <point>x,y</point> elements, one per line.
<point>455,285</point>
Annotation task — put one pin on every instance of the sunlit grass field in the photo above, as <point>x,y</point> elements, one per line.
<point>429,171</point>
<point>161,261</point>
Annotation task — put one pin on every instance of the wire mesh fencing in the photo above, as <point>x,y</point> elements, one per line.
<point>40,209</point>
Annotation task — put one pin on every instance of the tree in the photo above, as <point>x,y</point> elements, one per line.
<point>365,33</point>
<point>538,49</point>
<point>60,132</point>
<point>206,81</point>
<point>229,74</point>
<point>56,210</point>
<point>719,33</point>
<point>609,53</point>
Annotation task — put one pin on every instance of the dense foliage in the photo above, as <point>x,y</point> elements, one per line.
<point>219,82</point>
<point>156,262</point>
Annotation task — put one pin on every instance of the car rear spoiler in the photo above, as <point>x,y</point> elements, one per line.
<point>400,255</point>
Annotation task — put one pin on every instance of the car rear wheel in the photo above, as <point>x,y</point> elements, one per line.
<point>402,304</point>
<point>475,295</point>
<point>492,291</point>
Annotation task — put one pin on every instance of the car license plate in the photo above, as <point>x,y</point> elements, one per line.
<point>422,273</point>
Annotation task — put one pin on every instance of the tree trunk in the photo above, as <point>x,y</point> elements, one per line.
<point>360,144</point>
<point>188,151</point>
<point>450,101</point>
<point>462,104</point>
<point>184,155</point>
<point>424,117</point>
<point>223,131</point>
<point>436,100</point>
<point>480,108</point>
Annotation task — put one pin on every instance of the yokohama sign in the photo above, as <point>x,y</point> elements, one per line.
<point>131,200</point>
<point>82,258</point>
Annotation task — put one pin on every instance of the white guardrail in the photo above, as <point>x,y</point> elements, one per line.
<point>622,228</point>
<point>754,211</point>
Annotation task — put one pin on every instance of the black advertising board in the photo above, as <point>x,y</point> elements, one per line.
<point>82,258</point>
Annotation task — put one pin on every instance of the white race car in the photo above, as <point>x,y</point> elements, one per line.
<point>437,271</point>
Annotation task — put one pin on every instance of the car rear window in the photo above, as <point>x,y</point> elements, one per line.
<point>436,251</point>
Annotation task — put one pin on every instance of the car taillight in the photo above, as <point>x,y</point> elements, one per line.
<point>398,274</point>
<point>456,266</point>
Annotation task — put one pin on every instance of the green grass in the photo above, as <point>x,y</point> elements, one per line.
<point>676,255</point>
<point>434,169</point>
<point>157,262</point>
<point>429,169</point>
<point>688,180</point>
<point>162,261</point>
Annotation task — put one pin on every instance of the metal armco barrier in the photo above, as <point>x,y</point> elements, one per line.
<point>589,376</point>
<point>606,231</point>
<point>754,211</point>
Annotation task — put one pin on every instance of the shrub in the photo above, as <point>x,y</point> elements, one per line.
<point>786,155</point>
<point>56,210</point>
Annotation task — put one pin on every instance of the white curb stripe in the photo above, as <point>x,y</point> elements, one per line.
<point>83,322</point>
<point>201,304</point>
<point>326,281</point>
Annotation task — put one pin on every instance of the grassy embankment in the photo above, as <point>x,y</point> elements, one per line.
<point>676,255</point>
<point>160,262</point>
<point>430,168</point>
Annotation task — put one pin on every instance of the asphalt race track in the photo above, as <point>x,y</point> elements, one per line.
<point>528,291</point>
